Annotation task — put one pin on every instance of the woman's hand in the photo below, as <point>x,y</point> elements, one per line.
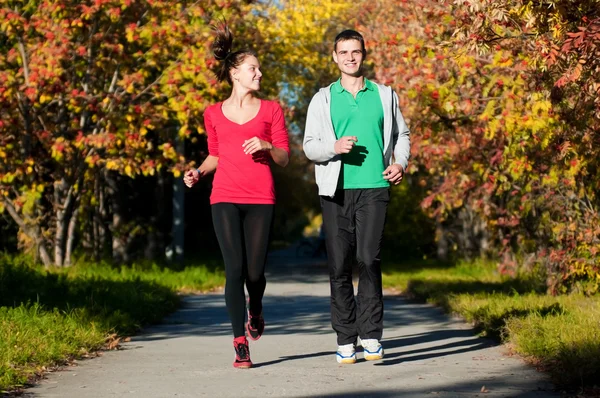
<point>191,177</point>
<point>255,144</point>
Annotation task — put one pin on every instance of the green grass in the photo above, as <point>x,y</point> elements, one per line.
<point>192,278</point>
<point>48,317</point>
<point>561,334</point>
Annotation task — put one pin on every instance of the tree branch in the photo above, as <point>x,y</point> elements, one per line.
<point>13,213</point>
<point>24,59</point>
<point>508,37</point>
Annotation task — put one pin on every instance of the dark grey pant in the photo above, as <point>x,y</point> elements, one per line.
<point>353,220</point>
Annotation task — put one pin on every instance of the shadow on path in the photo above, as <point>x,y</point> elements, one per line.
<point>474,388</point>
<point>302,310</point>
<point>189,354</point>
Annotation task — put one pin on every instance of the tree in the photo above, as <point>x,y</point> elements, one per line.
<point>509,166</point>
<point>561,37</point>
<point>91,90</point>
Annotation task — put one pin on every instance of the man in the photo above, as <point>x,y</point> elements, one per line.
<point>357,137</point>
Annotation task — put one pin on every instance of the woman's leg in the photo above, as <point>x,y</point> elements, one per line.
<point>227,222</point>
<point>257,227</point>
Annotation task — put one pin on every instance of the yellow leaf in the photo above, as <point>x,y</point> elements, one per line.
<point>112,165</point>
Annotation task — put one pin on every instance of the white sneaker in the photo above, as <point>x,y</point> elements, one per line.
<point>346,353</point>
<point>372,349</point>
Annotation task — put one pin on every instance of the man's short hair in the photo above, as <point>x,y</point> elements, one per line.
<point>350,34</point>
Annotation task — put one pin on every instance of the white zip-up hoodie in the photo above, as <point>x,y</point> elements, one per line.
<point>319,137</point>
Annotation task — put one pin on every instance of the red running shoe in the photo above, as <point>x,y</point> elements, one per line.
<point>242,353</point>
<point>255,326</point>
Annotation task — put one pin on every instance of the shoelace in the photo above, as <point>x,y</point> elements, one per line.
<point>242,351</point>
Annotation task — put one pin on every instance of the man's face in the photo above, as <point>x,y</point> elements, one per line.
<point>349,57</point>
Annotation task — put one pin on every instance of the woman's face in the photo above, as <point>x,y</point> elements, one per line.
<point>248,74</point>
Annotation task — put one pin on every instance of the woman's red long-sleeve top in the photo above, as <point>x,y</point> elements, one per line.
<point>241,178</point>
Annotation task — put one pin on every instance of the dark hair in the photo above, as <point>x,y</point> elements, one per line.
<point>221,49</point>
<point>350,34</point>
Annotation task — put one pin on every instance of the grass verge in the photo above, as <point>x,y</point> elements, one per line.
<point>561,334</point>
<point>48,317</point>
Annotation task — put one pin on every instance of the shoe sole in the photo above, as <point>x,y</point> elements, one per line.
<point>242,366</point>
<point>373,356</point>
<point>347,361</point>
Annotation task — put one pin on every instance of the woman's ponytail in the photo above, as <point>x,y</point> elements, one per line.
<point>221,48</point>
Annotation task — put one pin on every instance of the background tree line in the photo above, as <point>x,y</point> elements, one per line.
<point>503,97</point>
<point>101,110</point>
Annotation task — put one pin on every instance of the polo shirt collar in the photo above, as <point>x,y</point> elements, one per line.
<point>369,85</point>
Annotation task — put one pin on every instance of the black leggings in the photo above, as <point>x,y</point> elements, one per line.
<point>243,234</point>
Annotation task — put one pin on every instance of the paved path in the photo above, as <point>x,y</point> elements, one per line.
<point>190,355</point>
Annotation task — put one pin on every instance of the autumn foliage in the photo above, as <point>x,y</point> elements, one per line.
<point>91,90</point>
<point>96,94</point>
<point>502,97</point>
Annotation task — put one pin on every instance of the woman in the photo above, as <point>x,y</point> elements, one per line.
<point>244,134</point>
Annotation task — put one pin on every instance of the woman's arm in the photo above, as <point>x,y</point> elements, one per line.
<point>279,147</point>
<point>280,144</point>
<point>280,156</point>
<point>253,145</point>
<point>209,165</point>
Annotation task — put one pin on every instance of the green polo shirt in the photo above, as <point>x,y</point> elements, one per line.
<point>361,117</point>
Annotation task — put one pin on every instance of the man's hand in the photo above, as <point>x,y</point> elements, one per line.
<point>191,177</point>
<point>345,144</point>
<point>255,144</point>
<point>394,173</point>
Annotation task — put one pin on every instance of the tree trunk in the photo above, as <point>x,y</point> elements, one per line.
<point>118,247</point>
<point>441,240</point>
<point>101,230</point>
<point>178,213</point>
<point>59,237</point>
<point>473,236</point>
<point>465,236</point>
<point>44,255</point>
<point>484,241</point>
<point>155,249</point>
<point>30,229</point>
<point>64,201</point>
<point>71,238</point>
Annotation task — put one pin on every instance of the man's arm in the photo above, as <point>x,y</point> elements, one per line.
<point>394,173</point>
<point>400,134</point>
<point>315,146</point>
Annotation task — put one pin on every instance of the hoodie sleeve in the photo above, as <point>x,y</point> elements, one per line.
<point>316,147</point>
<point>400,134</point>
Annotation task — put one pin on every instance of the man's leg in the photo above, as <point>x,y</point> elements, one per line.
<point>338,221</point>
<point>370,219</point>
